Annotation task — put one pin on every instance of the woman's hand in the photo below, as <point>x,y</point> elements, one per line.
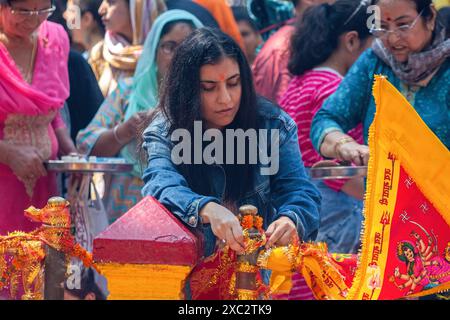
<point>112,141</point>
<point>131,128</point>
<point>341,146</point>
<point>65,143</point>
<point>281,232</point>
<point>26,162</point>
<point>225,225</point>
<point>353,152</point>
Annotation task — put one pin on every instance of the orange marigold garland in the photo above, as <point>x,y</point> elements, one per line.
<point>22,254</point>
<point>247,285</point>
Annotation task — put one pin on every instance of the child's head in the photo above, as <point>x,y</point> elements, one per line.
<point>249,31</point>
<point>327,28</point>
<point>88,288</point>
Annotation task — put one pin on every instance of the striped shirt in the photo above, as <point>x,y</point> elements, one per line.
<point>299,290</point>
<point>303,98</point>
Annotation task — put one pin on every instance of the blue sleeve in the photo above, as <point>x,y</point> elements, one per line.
<point>293,194</point>
<point>346,108</point>
<point>165,183</point>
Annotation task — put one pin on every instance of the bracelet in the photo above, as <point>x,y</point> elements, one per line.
<point>116,136</point>
<point>341,142</point>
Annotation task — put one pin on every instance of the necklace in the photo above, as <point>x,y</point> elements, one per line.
<point>27,73</point>
<point>28,77</point>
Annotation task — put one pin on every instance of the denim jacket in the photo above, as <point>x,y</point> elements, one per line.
<point>288,193</point>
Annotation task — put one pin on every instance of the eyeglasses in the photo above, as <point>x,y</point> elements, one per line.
<point>401,31</point>
<point>168,47</point>
<point>22,13</point>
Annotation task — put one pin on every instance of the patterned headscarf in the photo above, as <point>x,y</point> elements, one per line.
<point>144,95</point>
<point>419,65</point>
<point>118,51</point>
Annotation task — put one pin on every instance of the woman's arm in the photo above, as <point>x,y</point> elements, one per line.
<point>344,110</point>
<point>106,135</point>
<point>107,117</point>
<point>110,142</point>
<point>164,182</point>
<point>65,143</point>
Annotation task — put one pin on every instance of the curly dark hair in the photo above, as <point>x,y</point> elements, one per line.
<point>316,36</point>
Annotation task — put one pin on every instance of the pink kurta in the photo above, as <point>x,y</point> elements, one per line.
<point>270,68</point>
<point>29,115</point>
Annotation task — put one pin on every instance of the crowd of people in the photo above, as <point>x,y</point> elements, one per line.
<point>117,78</point>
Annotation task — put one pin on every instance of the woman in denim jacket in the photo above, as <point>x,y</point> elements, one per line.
<point>209,93</point>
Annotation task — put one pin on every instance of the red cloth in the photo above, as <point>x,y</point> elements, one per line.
<point>303,98</point>
<point>416,222</point>
<point>270,72</point>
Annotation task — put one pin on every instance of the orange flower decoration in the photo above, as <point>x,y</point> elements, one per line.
<point>247,222</point>
<point>258,222</point>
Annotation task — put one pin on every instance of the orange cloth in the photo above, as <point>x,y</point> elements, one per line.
<point>221,11</point>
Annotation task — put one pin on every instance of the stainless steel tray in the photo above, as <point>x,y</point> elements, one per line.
<point>87,167</point>
<point>337,172</point>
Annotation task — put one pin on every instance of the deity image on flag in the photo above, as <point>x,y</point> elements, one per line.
<point>424,265</point>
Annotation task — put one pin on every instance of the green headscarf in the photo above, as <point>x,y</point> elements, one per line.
<point>144,94</point>
<point>145,83</point>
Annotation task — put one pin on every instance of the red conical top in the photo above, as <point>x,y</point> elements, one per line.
<point>147,234</point>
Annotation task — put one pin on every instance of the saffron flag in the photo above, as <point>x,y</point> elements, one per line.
<point>406,241</point>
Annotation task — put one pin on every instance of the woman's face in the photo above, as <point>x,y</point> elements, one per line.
<point>397,13</point>
<point>220,91</point>
<point>72,17</point>
<point>409,254</point>
<point>20,25</point>
<point>168,44</point>
<point>116,17</point>
<point>251,38</point>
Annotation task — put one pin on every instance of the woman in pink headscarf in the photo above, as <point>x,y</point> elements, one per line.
<point>34,84</point>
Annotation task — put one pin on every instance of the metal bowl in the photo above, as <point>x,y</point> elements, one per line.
<point>338,172</point>
<point>111,165</point>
